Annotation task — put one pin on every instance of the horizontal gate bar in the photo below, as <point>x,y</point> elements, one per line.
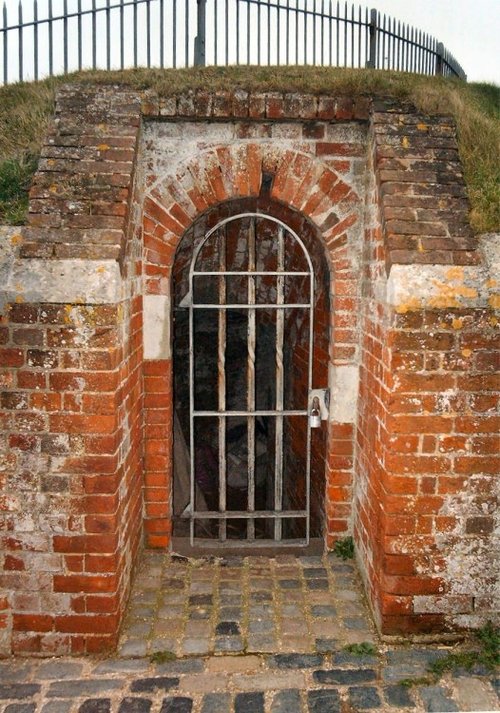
<point>242,544</point>
<point>246,273</point>
<point>251,413</point>
<point>289,305</point>
<point>244,515</point>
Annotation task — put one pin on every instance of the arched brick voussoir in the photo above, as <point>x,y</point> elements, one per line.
<point>162,217</point>
<point>300,180</point>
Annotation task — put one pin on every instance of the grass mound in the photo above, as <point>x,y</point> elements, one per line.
<point>26,109</point>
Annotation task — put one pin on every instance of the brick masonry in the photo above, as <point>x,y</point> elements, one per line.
<point>86,368</point>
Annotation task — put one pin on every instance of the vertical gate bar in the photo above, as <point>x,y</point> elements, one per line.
<point>251,378</point>
<point>309,387</point>
<point>65,35</point>
<point>108,35</point>
<point>221,364</point>
<point>20,41</point>
<point>278,443</point>
<point>35,37</point>
<point>192,504</point>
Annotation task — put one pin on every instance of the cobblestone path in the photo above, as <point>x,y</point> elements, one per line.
<point>257,635</point>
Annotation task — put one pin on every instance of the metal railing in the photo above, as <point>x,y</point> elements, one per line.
<point>40,38</point>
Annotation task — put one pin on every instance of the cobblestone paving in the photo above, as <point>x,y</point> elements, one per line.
<point>251,605</point>
<point>269,646</point>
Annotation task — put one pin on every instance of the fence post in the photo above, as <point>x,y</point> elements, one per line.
<point>372,54</point>
<point>439,59</point>
<point>199,40</point>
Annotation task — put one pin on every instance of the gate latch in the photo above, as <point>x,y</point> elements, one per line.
<point>319,406</point>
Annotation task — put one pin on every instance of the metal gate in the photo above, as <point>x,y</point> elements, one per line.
<point>251,287</point>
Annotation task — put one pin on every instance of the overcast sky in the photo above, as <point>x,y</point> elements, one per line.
<point>469,29</point>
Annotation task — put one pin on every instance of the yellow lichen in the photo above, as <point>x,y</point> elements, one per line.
<point>413,303</point>
<point>103,147</point>
<point>455,273</point>
<point>494,301</point>
<point>466,353</point>
<point>457,323</point>
<point>422,127</point>
<point>16,239</point>
<point>405,142</point>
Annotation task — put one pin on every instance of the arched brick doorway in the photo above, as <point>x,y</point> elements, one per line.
<point>255,357</point>
<point>312,200</point>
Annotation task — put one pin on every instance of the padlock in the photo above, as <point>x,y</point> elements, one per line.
<point>315,415</point>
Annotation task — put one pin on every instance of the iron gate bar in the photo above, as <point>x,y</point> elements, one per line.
<point>278,443</point>
<point>222,328</point>
<point>252,334</point>
<point>257,273</point>
<point>256,412</point>
<point>242,514</point>
<point>242,305</point>
<point>250,515</point>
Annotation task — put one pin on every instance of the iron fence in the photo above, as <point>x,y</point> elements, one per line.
<point>41,38</point>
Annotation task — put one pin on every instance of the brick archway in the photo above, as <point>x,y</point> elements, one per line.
<point>303,184</point>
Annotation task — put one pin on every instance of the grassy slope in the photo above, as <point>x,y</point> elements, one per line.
<point>25,110</point>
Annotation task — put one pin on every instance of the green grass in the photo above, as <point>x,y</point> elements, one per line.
<point>364,649</point>
<point>160,657</point>
<point>26,109</point>
<point>344,548</point>
<point>486,652</point>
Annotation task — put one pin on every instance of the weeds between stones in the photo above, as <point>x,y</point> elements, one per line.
<point>344,548</point>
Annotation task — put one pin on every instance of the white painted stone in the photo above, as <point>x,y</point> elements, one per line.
<point>63,281</point>
<point>344,384</point>
<point>156,327</point>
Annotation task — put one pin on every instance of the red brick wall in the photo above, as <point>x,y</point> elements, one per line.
<point>86,421</point>
<point>427,436</point>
